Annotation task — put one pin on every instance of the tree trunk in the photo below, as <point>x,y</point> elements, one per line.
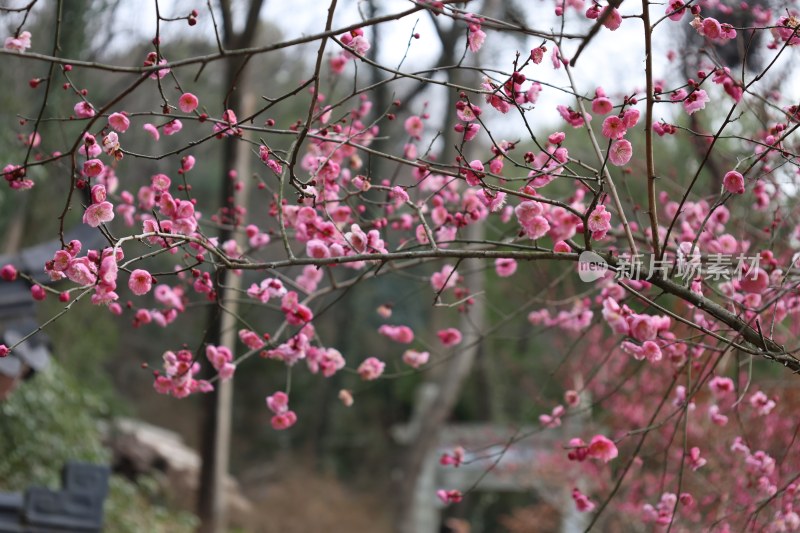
<point>216,436</point>
<point>444,388</point>
<point>447,390</point>
<point>216,432</point>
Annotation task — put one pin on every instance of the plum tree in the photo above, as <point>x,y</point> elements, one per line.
<point>522,165</point>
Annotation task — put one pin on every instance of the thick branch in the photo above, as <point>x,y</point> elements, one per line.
<point>767,347</point>
<point>648,128</point>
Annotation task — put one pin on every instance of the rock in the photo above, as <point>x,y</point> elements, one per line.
<point>141,448</point>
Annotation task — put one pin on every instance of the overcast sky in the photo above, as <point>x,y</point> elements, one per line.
<point>615,60</point>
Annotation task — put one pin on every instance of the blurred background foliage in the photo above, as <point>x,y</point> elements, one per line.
<point>54,418</point>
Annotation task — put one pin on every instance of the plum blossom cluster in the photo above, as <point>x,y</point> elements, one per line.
<point>172,299</point>
<point>600,447</point>
<point>97,269</point>
<point>283,417</point>
<point>228,126</point>
<point>582,502</point>
<point>650,336</point>
<point>476,36</point>
<point>221,358</point>
<point>711,29</point>
<point>19,43</point>
<point>449,496</point>
<point>178,377</point>
<point>371,368</point>
<point>355,42</point>
<point>511,93</point>
<point>662,513</point>
<point>176,216</point>
<point>15,177</point>
<point>576,319</point>
<point>454,458</point>
<point>338,219</point>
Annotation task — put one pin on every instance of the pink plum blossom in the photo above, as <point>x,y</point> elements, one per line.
<point>761,403</point>
<point>445,279</point>
<point>20,43</point>
<point>296,313</point>
<point>602,105</point>
<point>449,336</point>
<point>355,41</point>
<point>283,418</point>
<point>152,130</point>
<point>716,417</point>
<point>695,101</point>
<point>620,152</point>
<point>278,402</point>
<point>172,127</point>
<point>449,496</point>
<point>602,448</point>
<point>651,351</point>
<point>599,221</point>
<point>401,334</point>
<point>89,147</point>
<point>187,164</point>
<point>268,288</point>
<point>555,57</point>
<point>475,39</point>
<point>474,173</point>
<point>415,359</point>
<point>613,19</point>
<point>582,502</point>
<point>561,247</point>
<point>140,282</point>
<point>111,145</point>
<point>346,397</point>
<point>553,420</point>
<point>97,214</point>
<point>84,109</point>
<point>695,461</point>
<point>38,293</point>
<point>221,359</point>
<point>371,369</point>
<point>467,111</point>
<point>631,117</point>
<point>454,458</point>
<point>505,267</point>
<point>8,273</point>
<point>93,168</point>
<point>573,118</point>
<point>614,127</point>
<point>470,130</point>
<point>414,127</point>
<point>721,386</point>
<point>733,182</point>
<point>283,421</point>
<point>537,54</point>
<point>251,339</point>
<point>755,281</point>
<point>119,122</point>
<point>188,102</point>
<point>676,9</point>
<point>572,398</point>
<point>317,249</point>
